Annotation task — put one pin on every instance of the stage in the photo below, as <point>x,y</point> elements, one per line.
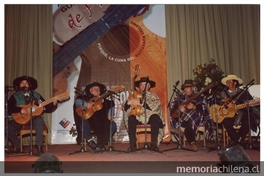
<point>74,160</point>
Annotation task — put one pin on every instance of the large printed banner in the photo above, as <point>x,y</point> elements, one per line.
<point>104,43</point>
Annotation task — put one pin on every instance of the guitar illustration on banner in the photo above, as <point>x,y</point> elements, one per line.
<point>97,103</point>
<point>229,110</point>
<point>63,57</point>
<point>37,110</point>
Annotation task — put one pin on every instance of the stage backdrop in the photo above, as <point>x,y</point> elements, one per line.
<point>92,44</point>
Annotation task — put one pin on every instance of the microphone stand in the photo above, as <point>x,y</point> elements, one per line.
<point>245,89</point>
<point>31,98</point>
<point>179,137</point>
<point>7,89</point>
<point>111,148</point>
<point>145,122</point>
<point>218,146</point>
<point>6,119</point>
<point>82,150</point>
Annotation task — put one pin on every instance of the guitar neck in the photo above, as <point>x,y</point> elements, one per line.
<point>102,96</point>
<point>70,50</point>
<point>251,103</point>
<point>44,103</point>
<point>198,94</point>
<point>191,99</point>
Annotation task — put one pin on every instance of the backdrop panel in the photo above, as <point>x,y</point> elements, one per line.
<point>92,45</point>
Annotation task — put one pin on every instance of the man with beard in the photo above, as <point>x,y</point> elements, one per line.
<point>26,95</point>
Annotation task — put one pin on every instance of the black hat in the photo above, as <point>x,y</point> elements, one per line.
<point>101,86</point>
<point>145,79</point>
<point>187,83</point>
<point>33,84</point>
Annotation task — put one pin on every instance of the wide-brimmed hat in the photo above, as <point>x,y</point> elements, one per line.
<point>187,83</point>
<point>145,79</point>
<point>231,77</point>
<point>33,84</point>
<point>101,86</point>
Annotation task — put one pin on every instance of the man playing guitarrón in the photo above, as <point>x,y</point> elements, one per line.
<point>153,116</point>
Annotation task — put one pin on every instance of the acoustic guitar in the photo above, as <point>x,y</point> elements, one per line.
<point>97,103</point>
<point>37,110</point>
<point>219,113</point>
<point>189,100</point>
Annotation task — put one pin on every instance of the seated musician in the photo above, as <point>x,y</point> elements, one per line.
<point>25,95</point>
<point>153,115</point>
<point>98,121</point>
<point>192,113</point>
<point>232,82</point>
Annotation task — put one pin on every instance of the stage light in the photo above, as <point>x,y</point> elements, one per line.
<point>47,163</point>
<point>235,160</point>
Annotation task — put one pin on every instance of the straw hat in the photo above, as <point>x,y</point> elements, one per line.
<point>232,77</point>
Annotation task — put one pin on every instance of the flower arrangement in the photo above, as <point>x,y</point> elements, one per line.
<point>208,73</point>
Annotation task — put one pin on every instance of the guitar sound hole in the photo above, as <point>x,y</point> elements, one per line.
<point>120,41</point>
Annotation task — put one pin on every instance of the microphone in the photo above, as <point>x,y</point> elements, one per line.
<point>78,91</point>
<point>177,83</point>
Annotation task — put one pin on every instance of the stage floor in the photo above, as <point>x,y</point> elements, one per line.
<point>74,160</point>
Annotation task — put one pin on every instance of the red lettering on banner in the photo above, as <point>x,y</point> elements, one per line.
<point>75,22</point>
<point>89,9</point>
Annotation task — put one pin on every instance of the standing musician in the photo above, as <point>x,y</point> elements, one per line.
<point>98,122</point>
<point>153,116</point>
<point>232,82</point>
<point>25,95</point>
<point>192,114</point>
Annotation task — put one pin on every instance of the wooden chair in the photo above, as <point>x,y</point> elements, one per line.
<point>226,138</point>
<point>201,131</point>
<point>140,134</point>
<point>26,130</point>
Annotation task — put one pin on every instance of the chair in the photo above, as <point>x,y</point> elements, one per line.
<point>26,130</point>
<point>201,130</point>
<point>140,134</point>
<point>226,138</point>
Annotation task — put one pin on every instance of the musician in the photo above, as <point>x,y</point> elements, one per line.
<point>153,116</point>
<point>232,92</point>
<point>192,113</point>
<point>98,122</point>
<point>26,95</point>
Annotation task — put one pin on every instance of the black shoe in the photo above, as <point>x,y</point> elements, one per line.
<point>93,145</point>
<point>132,148</point>
<point>39,150</point>
<point>102,148</point>
<point>154,147</point>
<point>231,144</point>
